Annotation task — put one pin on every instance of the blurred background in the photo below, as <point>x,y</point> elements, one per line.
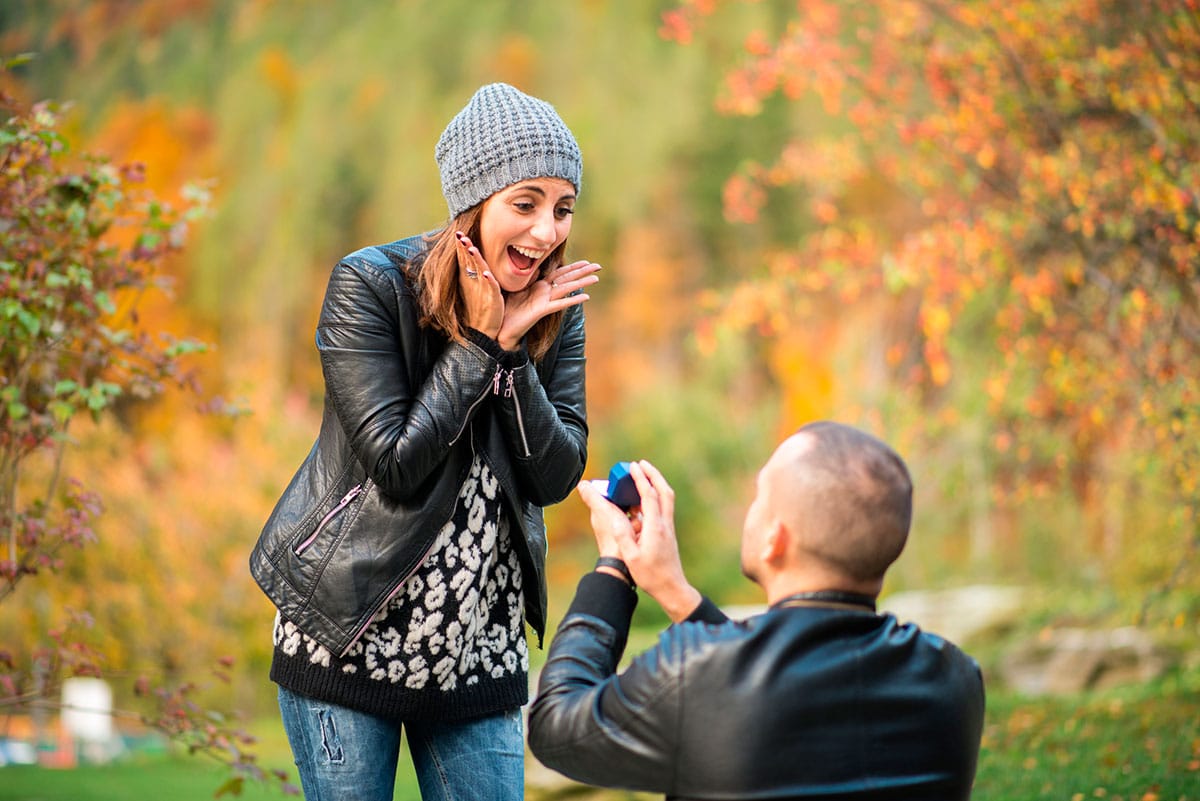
<point>968,228</point>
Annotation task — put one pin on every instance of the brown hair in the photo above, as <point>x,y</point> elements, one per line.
<point>437,276</point>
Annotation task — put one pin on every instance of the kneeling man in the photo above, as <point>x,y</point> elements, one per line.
<point>818,697</point>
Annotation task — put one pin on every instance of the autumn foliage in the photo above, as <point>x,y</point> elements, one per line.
<point>968,226</point>
<point>1021,179</point>
<point>81,248</point>
<point>78,250</point>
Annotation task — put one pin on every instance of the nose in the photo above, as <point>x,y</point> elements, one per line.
<point>544,229</point>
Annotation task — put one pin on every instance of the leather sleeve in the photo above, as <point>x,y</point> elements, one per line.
<point>601,728</point>
<point>544,418</point>
<point>399,426</point>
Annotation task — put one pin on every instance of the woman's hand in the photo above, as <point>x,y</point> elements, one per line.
<point>482,298</point>
<point>521,310</point>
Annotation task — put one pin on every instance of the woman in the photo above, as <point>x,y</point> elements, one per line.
<point>409,549</point>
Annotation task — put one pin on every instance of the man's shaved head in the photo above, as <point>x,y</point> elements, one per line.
<point>845,495</point>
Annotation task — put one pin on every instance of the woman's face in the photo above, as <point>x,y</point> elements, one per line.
<point>521,225</point>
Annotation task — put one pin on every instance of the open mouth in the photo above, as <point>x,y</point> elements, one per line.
<point>523,258</point>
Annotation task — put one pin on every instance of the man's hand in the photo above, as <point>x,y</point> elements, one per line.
<point>653,555</point>
<point>606,519</point>
<point>646,543</point>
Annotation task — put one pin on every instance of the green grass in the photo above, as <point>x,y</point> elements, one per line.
<point>1138,743</point>
<point>155,773</point>
<point>176,778</point>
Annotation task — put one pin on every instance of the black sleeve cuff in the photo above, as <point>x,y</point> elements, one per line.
<point>512,359</point>
<point>606,597</point>
<point>508,359</point>
<point>707,612</point>
<point>487,343</point>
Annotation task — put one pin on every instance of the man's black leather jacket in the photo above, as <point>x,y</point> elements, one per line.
<point>406,409</point>
<point>795,703</point>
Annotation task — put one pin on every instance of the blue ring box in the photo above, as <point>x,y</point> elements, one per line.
<point>621,489</point>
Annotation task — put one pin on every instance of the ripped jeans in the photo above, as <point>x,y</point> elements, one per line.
<point>342,754</point>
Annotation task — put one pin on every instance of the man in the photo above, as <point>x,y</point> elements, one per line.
<point>819,696</point>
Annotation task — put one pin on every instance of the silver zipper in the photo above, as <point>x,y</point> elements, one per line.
<point>358,634</point>
<point>508,392</point>
<point>387,600</point>
<point>342,504</point>
<point>471,408</point>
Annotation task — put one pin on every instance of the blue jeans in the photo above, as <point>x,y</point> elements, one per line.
<point>343,755</point>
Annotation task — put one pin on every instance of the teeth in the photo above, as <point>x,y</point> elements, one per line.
<point>533,254</point>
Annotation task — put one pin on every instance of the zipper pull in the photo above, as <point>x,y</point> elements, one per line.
<point>508,388</point>
<point>496,380</point>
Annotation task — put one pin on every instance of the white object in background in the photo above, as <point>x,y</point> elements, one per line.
<point>87,709</point>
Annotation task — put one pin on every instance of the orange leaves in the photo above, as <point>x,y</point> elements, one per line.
<point>807,55</point>
<point>757,44</point>
<point>742,198</point>
<point>1037,291</point>
<point>1134,310</point>
<point>985,157</point>
<point>676,27</point>
<point>1044,244</point>
<point>678,23</point>
<point>800,361</point>
<point>997,95</point>
<point>824,166</point>
<point>653,283</point>
<point>178,142</point>
<point>937,363</point>
<point>280,74</point>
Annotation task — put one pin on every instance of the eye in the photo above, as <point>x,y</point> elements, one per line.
<point>563,212</point>
<point>525,206</point>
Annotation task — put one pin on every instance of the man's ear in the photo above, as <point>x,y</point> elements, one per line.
<point>775,544</point>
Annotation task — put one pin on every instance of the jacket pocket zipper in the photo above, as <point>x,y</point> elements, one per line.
<point>392,594</point>
<point>342,504</point>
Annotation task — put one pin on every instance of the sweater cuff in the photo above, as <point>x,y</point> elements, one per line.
<point>489,345</point>
<point>606,597</point>
<point>512,359</point>
<point>508,359</point>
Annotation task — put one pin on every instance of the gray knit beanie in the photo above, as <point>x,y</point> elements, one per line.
<point>501,137</point>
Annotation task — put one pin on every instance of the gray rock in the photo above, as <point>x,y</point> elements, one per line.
<point>958,614</point>
<point>1073,660</point>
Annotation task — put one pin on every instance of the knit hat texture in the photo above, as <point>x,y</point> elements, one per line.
<point>503,136</point>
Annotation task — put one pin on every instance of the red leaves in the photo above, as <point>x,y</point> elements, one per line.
<point>207,733</point>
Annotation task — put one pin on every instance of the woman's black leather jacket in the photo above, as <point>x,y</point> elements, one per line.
<point>406,409</point>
